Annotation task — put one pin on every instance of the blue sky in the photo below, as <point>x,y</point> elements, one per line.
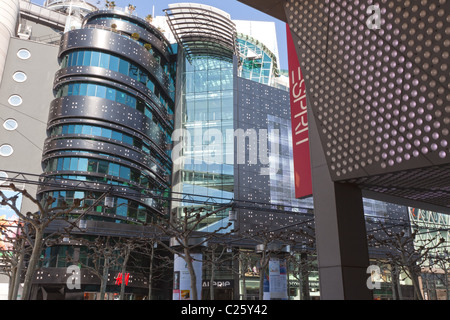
<point>236,9</point>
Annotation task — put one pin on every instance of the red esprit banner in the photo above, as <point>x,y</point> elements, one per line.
<point>299,119</point>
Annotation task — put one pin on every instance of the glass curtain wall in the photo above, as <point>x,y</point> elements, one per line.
<point>206,107</point>
<point>257,61</point>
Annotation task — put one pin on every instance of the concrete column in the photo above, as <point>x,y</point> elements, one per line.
<point>340,230</point>
<point>9,13</point>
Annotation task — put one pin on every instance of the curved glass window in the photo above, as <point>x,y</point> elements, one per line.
<point>115,63</point>
<point>110,134</point>
<point>120,206</point>
<point>257,65</point>
<point>6,150</point>
<point>96,90</point>
<point>24,54</point>
<point>10,124</point>
<point>103,167</point>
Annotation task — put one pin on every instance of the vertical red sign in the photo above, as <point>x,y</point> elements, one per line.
<point>299,119</point>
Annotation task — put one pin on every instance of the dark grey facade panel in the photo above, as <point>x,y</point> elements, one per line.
<point>126,27</point>
<point>132,20</point>
<point>113,79</point>
<point>260,107</point>
<point>103,110</point>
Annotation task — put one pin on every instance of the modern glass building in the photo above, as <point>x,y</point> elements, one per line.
<point>111,121</point>
<point>206,108</point>
<point>109,131</point>
<point>203,153</point>
<point>135,117</point>
<point>232,133</point>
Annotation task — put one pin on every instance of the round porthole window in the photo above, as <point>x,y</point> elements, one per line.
<point>19,76</point>
<point>24,54</point>
<point>10,124</point>
<point>3,175</point>
<point>15,100</point>
<point>6,150</point>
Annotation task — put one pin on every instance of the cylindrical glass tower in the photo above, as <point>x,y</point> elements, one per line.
<point>110,124</point>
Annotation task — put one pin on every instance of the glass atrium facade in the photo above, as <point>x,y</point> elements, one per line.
<point>205,168</point>
<point>258,63</point>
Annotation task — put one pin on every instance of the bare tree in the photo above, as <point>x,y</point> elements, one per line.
<point>270,243</point>
<point>12,254</point>
<point>403,252</point>
<point>103,254</point>
<point>38,222</point>
<point>300,263</point>
<point>216,256</point>
<point>157,264</point>
<point>439,264</point>
<point>244,258</point>
<point>125,247</point>
<point>184,234</point>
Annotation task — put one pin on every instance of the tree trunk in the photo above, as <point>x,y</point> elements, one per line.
<point>416,285</point>
<point>18,273</point>
<point>304,276</point>
<point>394,281</point>
<point>124,267</point>
<point>104,279</point>
<point>150,276</point>
<point>32,266</point>
<point>12,278</point>
<point>211,280</point>
<point>415,280</point>
<point>262,274</point>
<point>399,287</point>
<point>242,274</point>
<point>261,284</point>
<point>190,266</point>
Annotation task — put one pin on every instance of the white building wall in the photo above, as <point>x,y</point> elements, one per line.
<point>9,12</point>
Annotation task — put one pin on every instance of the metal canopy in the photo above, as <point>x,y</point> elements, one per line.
<point>202,30</point>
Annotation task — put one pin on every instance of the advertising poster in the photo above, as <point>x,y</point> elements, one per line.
<point>299,120</point>
<point>266,286</point>
<point>182,278</point>
<point>278,279</point>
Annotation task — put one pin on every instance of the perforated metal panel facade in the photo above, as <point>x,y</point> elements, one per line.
<point>379,92</point>
<point>264,190</point>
